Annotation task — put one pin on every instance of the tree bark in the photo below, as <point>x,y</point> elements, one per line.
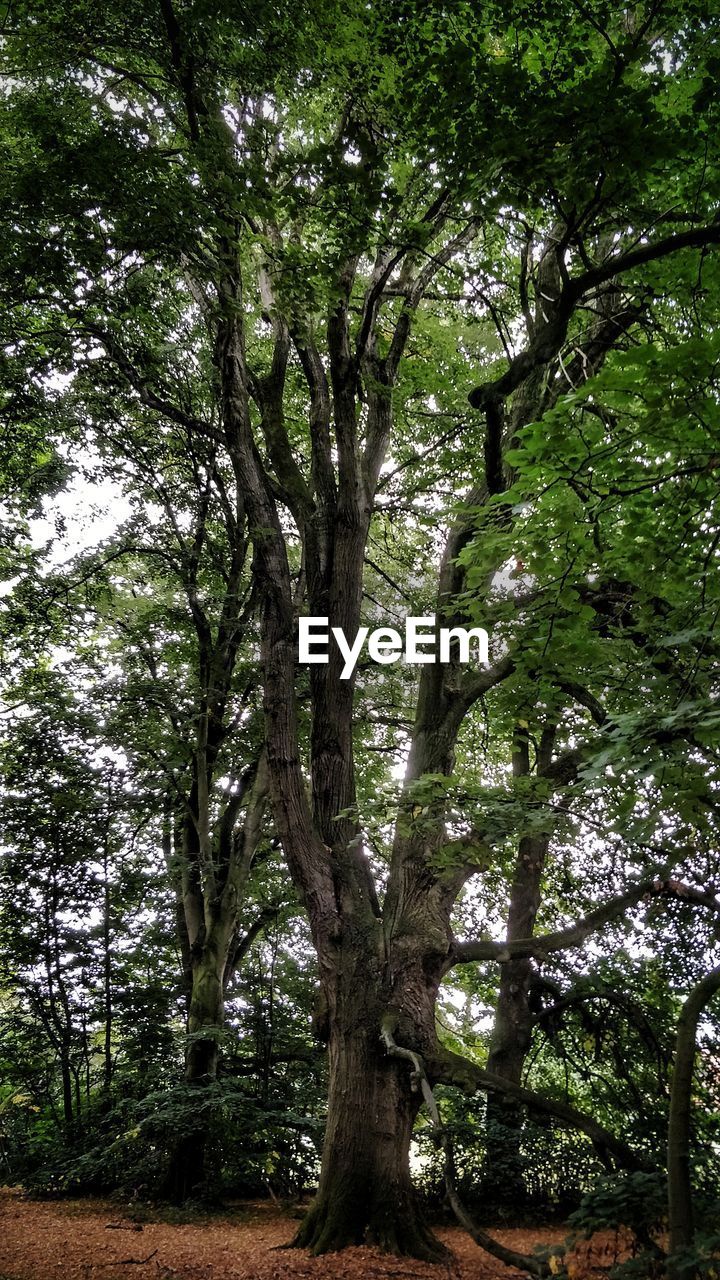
<point>210,952</point>
<point>207,1014</point>
<point>512,1029</point>
<point>366,1194</point>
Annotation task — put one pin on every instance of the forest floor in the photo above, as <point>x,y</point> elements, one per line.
<point>98,1240</point>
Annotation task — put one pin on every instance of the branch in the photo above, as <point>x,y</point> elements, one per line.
<point>564,769</point>
<point>580,694</point>
<point>451,1068</point>
<point>385,264</point>
<point>381,374</point>
<point>243,945</point>
<point>136,380</point>
<point>269,392</point>
<point>242,845</point>
<point>182,62</point>
<point>696,238</point>
<point>229,816</point>
<point>479,683</point>
<point>419,1078</point>
<point>309,1054</point>
<point>590,352</point>
<point>128,1262</point>
<point>548,338</point>
<point>562,939</point>
<point>417,289</point>
<point>323,473</point>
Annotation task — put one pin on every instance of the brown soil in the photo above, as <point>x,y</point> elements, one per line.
<point>95,1240</point>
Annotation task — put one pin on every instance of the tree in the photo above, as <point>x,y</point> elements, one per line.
<point>92,999</point>
<point>171,595</point>
<point>68,888</point>
<point>328,212</point>
<point>680,1215</point>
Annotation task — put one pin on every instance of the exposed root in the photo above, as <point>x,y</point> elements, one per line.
<point>391,1228</point>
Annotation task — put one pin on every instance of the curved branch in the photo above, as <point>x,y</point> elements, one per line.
<point>417,286</point>
<point>585,698</point>
<point>478,683</point>
<point>137,380</point>
<point>678,1154</point>
<point>452,1068</point>
<point>549,337</point>
<point>562,939</point>
<point>419,1079</point>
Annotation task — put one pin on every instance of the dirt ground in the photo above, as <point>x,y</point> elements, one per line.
<point>97,1240</point>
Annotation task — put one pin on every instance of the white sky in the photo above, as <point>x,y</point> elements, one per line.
<point>90,512</point>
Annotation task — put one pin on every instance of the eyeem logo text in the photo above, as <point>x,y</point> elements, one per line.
<point>422,642</point>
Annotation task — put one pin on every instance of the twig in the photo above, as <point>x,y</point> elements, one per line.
<point>128,1262</point>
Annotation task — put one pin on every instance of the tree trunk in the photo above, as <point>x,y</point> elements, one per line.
<point>504,1118</point>
<point>365,1194</point>
<point>186,1177</point>
<point>67,1095</point>
<point>107,980</point>
<point>512,1030</point>
<point>206,915</point>
<point>207,1016</point>
<point>680,1215</point>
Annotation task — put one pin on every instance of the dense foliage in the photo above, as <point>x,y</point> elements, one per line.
<point>363,312</point>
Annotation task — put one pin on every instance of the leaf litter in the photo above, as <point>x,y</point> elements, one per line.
<point>91,1239</point>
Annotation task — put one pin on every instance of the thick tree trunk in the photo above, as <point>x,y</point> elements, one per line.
<point>206,1017</point>
<point>365,1194</point>
<point>367,959</point>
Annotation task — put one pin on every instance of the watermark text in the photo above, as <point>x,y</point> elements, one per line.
<point>423,642</point>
